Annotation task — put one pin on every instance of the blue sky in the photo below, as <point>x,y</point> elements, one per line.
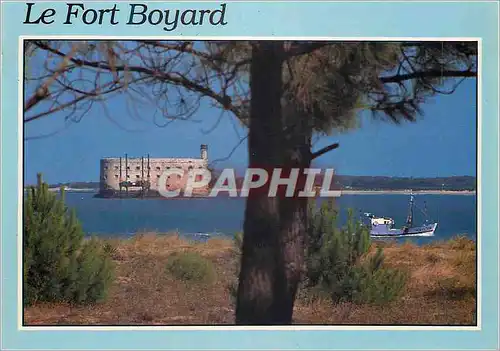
<point>441,143</point>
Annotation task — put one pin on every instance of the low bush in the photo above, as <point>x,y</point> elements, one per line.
<point>109,248</point>
<point>232,287</point>
<point>465,262</point>
<point>371,283</point>
<point>238,242</point>
<point>462,242</point>
<point>338,263</point>
<point>190,266</point>
<point>59,265</point>
<point>452,288</point>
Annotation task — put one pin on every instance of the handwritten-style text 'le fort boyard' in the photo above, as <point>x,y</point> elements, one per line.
<point>136,15</point>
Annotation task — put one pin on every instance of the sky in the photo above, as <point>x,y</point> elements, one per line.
<point>441,143</point>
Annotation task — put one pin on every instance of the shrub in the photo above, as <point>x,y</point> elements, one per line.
<point>58,264</point>
<point>369,282</point>
<point>238,242</point>
<point>109,248</point>
<point>432,258</point>
<point>462,242</point>
<point>336,265</point>
<point>190,266</point>
<point>232,286</point>
<point>452,288</point>
<point>232,289</point>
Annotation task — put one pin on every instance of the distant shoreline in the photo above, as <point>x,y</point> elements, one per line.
<point>72,190</point>
<point>406,192</point>
<point>344,192</point>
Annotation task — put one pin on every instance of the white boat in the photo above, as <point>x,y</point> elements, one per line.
<point>383,227</point>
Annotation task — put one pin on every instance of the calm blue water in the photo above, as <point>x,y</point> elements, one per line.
<point>456,214</point>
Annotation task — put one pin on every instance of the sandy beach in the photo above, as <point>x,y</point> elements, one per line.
<point>440,290</point>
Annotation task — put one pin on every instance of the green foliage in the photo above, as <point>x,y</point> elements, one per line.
<point>325,84</point>
<point>338,263</point>
<point>232,287</point>
<point>109,249</point>
<point>452,288</point>
<point>190,266</point>
<point>370,282</point>
<point>58,264</point>
<point>238,242</point>
<point>337,80</point>
<point>462,242</point>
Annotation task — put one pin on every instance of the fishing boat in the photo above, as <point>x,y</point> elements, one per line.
<point>383,227</point>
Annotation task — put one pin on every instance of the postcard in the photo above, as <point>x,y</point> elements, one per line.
<point>264,175</point>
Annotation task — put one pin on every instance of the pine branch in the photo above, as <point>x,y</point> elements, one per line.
<point>177,79</point>
<point>304,48</point>
<point>399,78</point>
<point>324,150</point>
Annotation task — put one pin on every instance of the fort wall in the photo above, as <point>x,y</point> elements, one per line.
<point>115,171</point>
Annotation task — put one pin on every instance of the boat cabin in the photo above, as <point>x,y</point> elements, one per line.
<point>382,221</point>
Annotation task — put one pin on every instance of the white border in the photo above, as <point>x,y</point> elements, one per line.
<point>236,327</point>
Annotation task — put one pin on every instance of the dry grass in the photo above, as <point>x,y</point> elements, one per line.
<point>441,289</point>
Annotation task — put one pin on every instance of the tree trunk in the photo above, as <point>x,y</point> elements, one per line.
<point>258,290</point>
<point>293,211</point>
<point>274,228</point>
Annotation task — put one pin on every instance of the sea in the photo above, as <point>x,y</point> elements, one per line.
<point>223,216</point>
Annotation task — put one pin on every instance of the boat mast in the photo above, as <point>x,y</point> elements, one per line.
<point>409,219</point>
<point>121,179</point>
<point>142,176</point>
<point>126,174</point>
<point>149,175</point>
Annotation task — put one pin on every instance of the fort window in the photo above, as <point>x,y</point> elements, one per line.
<point>137,168</point>
<point>116,176</point>
<point>116,168</point>
<point>128,176</point>
<point>138,176</point>
<point>128,167</point>
<point>157,176</point>
<point>158,168</point>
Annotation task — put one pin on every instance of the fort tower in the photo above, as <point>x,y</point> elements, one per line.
<point>204,152</point>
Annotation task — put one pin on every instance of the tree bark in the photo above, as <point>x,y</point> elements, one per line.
<point>258,289</point>
<point>293,212</point>
<point>274,229</point>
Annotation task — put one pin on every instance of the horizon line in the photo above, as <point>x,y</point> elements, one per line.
<point>338,175</point>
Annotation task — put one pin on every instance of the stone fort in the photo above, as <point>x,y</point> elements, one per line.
<point>143,173</point>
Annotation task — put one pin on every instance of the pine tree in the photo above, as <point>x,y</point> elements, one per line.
<point>58,264</point>
<point>335,264</point>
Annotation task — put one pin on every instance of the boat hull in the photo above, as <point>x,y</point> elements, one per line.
<point>383,231</point>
